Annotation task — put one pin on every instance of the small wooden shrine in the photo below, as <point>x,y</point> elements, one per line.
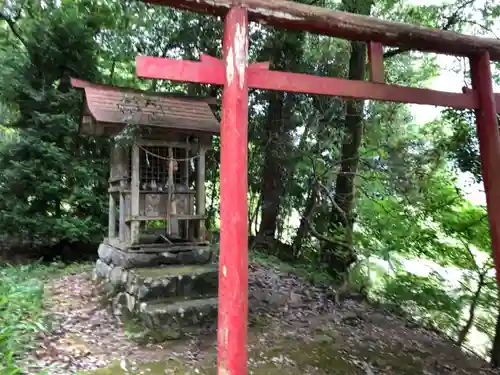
<point>155,266</point>
<point>157,179</point>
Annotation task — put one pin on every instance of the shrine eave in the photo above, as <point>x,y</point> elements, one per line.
<point>296,16</point>
<point>106,109</point>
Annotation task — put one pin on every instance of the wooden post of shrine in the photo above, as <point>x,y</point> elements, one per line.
<point>489,146</point>
<point>122,228</point>
<point>112,217</point>
<point>200,192</point>
<point>134,195</point>
<point>233,263</point>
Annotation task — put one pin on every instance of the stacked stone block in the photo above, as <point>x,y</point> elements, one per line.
<point>171,292</point>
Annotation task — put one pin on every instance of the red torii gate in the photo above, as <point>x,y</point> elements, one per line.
<point>236,75</point>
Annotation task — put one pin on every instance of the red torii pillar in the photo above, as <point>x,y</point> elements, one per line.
<point>233,259</point>
<point>489,146</point>
<point>232,72</point>
<point>489,149</point>
<point>237,76</point>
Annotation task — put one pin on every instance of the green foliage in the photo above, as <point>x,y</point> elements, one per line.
<point>22,317</point>
<point>463,145</point>
<point>50,178</point>
<point>423,298</point>
<point>410,205</point>
<point>431,220</point>
<point>21,313</point>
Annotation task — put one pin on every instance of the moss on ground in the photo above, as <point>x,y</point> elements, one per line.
<point>154,368</point>
<point>288,356</point>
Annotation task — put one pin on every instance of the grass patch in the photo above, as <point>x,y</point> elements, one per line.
<point>22,316</point>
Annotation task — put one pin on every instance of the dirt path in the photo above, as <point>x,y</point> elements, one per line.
<point>295,329</point>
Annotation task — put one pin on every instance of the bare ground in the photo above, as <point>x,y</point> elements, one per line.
<point>295,329</point>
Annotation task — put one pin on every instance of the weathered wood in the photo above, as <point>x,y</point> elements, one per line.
<point>170,205</point>
<point>134,196</point>
<point>199,72</point>
<point>467,90</point>
<point>233,260</point>
<point>186,185</point>
<point>489,147</point>
<point>152,204</point>
<point>200,192</point>
<point>115,189</point>
<point>123,232</point>
<point>117,180</point>
<point>112,217</point>
<point>81,84</point>
<point>165,217</point>
<point>376,59</point>
<point>107,129</point>
<point>118,170</point>
<point>114,163</point>
<point>292,15</point>
<point>183,145</point>
<point>114,173</point>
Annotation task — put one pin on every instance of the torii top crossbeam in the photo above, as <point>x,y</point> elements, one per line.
<point>291,15</point>
<point>235,73</point>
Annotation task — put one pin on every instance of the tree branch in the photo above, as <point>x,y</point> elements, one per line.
<point>334,204</point>
<point>324,238</point>
<point>451,21</point>
<point>485,28</point>
<point>11,22</point>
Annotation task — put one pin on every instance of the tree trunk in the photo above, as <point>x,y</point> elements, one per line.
<point>212,208</point>
<point>112,72</point>
<point>303,229</point>
<point>495,350</point>
<point>284,51</point>
<point>250,215</point>
<point>462,335</point>
<point>338,258</point>
<point>272,183</point>
<point>252,222</point>
<point>257,209</point>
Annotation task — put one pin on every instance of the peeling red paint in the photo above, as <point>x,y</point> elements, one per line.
<point>233,275</point>
<point>376,59</point>
<point>489,147</point>
<point>236,75</point>
<point>467,90</point>
<point>260,77</point>
<point>293,15</point>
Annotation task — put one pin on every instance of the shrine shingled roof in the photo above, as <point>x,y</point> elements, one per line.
<point>108,108</point>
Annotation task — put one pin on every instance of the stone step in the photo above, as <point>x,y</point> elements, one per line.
<point>194,281</point>
<point>172,320</point>
<point>195,254</point>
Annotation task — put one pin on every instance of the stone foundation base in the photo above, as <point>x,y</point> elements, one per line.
<point>195,255</point>
<point>168,298</point>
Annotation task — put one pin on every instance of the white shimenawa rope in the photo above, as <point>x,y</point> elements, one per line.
<point>170,182</point>
<point>166,157</point>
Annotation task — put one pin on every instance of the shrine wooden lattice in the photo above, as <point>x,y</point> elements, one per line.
<point>237,75</point>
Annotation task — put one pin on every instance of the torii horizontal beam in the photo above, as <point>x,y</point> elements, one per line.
<point>292,15</point>
<point>237,76</point>
<point>212,71</point>
<point>467,90</point>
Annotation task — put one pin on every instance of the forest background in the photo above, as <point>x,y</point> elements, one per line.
<point>384,195</point>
